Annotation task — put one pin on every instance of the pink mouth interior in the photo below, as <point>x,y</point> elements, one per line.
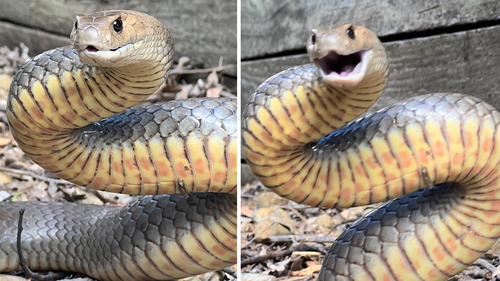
<point>91,49</point>
<point>342,65</point>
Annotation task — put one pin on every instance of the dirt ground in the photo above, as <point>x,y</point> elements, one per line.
<point>22,180</point>
<point>289,240</point>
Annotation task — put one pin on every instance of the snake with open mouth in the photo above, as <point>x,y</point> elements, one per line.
<point>435,157</point>
<point>67,110</point>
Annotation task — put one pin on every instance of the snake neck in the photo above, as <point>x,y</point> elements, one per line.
<point>295,108</point>
<point>55,96</point>
<point>56,92</point>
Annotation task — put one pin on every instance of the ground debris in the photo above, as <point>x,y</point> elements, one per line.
<point>23,180</point>
<point>299,256</point>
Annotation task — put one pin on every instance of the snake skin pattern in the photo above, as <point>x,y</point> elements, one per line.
<point>67,110</point>
<point>436,156</point>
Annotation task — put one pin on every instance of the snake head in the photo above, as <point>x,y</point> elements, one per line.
<point>119,38</point>
<point>346,54</point>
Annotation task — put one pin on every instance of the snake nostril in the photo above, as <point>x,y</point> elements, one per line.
<point>91,48</point>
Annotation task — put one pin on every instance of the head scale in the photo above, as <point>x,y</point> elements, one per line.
<point>346,54</point>
<point>119,38</point>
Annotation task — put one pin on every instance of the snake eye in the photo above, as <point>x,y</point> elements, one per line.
<point>76,24</point>
<point>350,32</point>
<point>313,39</point>
<point>118,25</point>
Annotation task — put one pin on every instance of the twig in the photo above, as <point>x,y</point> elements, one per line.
<point>102,198</point>
<point>201,71</point>
<point>227,95</point>
<point>475,273</point>
<point>300,216</point>
<point>230,272</point>
<point>485,264</point>
<point>278,254</point>
<point>22,261</point>
<point>35,176</point>
<point>301,238</point>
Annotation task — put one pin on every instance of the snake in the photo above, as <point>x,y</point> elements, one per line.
<point>73,111</point>
<point>434,159</point>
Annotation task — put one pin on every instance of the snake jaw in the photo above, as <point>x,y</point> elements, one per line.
<point>343,70</point>
<point>94,55</point>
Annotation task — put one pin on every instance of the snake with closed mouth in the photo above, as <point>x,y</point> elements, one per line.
<point>435,157</point>
<point>70,111</point>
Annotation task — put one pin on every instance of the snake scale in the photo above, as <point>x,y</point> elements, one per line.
<point>67,110</point>
<point>436,156</point>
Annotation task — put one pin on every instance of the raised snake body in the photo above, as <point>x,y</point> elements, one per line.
<point>442,150</point>
<point>64,112</point>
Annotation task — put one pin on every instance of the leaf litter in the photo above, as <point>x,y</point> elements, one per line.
<point>23,180</point>
<point>298,254</point>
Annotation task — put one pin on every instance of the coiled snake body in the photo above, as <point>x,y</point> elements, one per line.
<point>441,150</point>
<point>64,112</point>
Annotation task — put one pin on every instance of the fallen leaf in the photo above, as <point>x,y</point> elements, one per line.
<point>89,197</point>
<point>269,199</point>
<point>212,79</point>
<point>278,266</point>
<point>246,211</point>
<point>184,93</point>
<point>307,254</point>
<point>183,61</point>
<point>257,277</point>
<point>4,178</point>
<point>272,221</point>
<point>352,213</point>
<point>307,271</point>
<point>214,92</point>
<point>4,195</point>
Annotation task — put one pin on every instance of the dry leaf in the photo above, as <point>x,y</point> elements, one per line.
<point>269,199</point>
<point>4,141</point>
<point>38,191</point>
<point>352,213</point>
<point>272,221</point>
<point>183,61</point>
<point>278,266</point>
<point>4,178</point>
<point>257,277</point>
<point>5,277</point>
<point>184,93</point>
<point>89,197</point>
<point>212,79</point>
<point>246,211</point>
<point>214,92</point>
<point>306,254</point>
<point>308,270</point>
<point>195,92</point>
<point>4,195</point>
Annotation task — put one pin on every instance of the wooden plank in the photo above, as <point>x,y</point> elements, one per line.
<point>271,26</point>
<point>203,30</point>
<point>465,62</point>
<point>38,41</point>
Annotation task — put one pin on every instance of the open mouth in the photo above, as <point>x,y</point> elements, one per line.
<point>339,64</point>
<point>93,49</point>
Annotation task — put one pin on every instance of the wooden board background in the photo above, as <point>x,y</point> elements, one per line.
<point>433,46</point>
<point>203,30</point>
<point>269,27</point>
